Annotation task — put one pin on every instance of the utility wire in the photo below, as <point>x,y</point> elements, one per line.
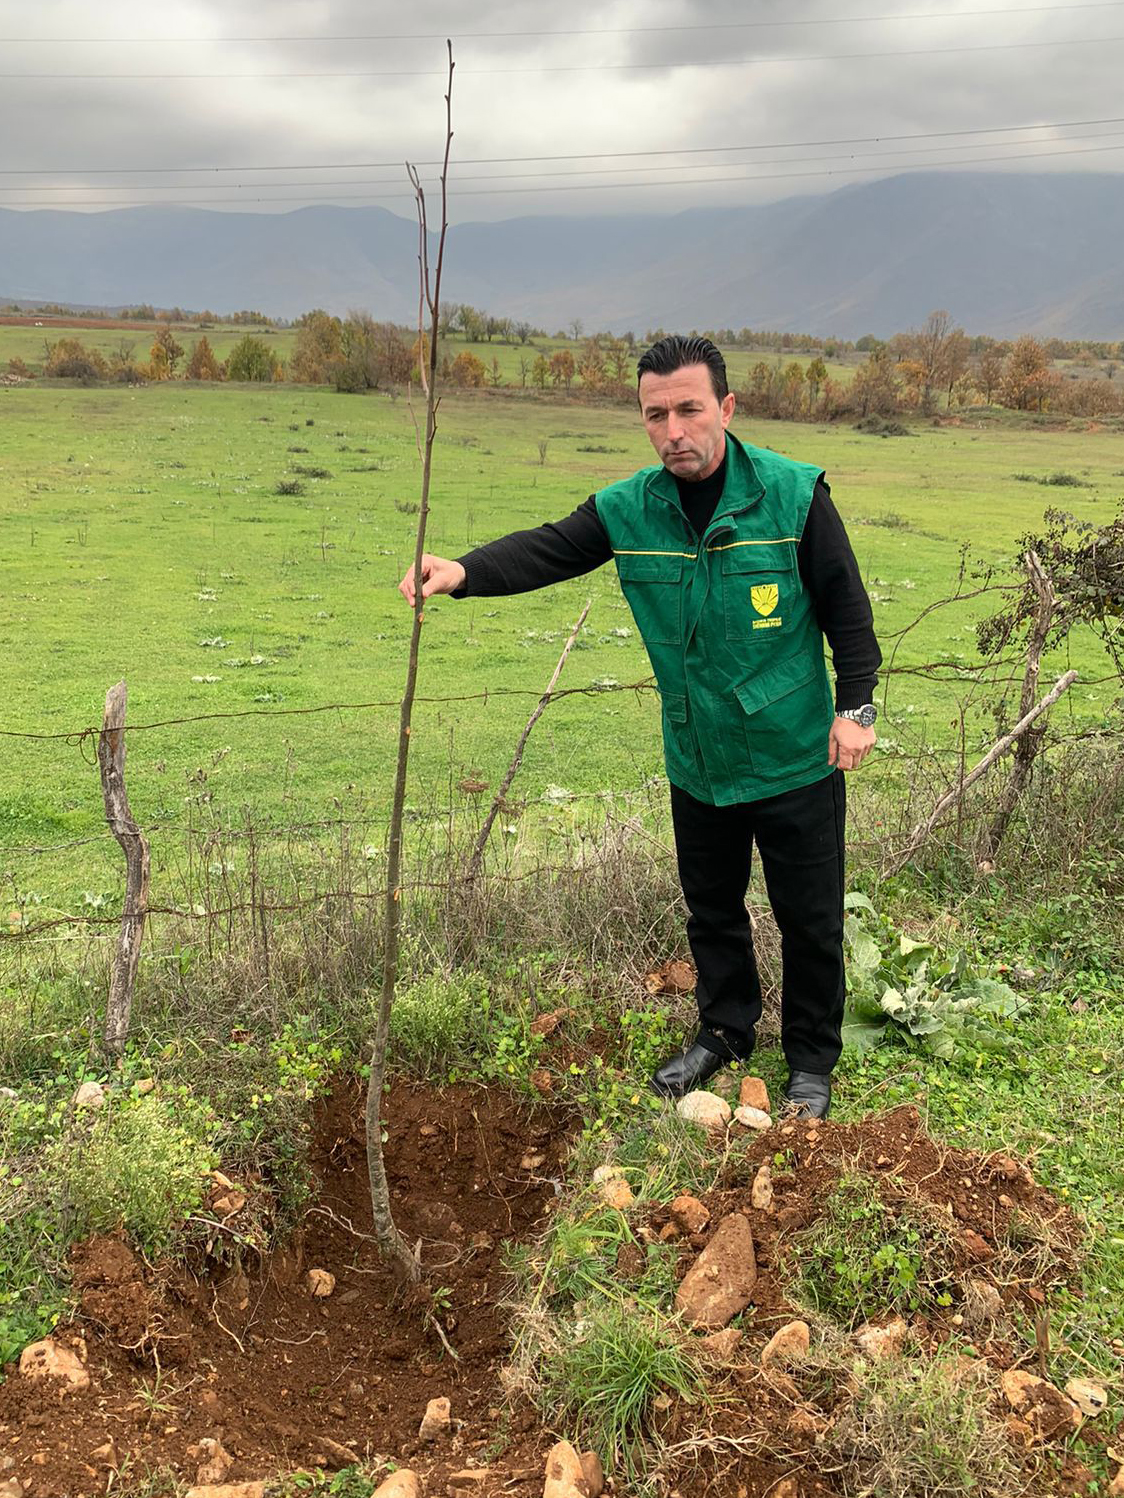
<point>601,67</point>
<point>432,36</point>
<point>477,192</point>
<point>775,145</point>
<point>610,171</point>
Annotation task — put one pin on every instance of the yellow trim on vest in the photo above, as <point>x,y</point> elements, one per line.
<point>621,553</point>
<point>730,545</point>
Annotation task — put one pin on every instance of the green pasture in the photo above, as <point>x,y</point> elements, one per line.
<point>514,360</point>
<point>30,344</point>
<point>143,537</point>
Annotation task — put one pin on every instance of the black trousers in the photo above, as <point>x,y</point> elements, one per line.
<point>799,836</point>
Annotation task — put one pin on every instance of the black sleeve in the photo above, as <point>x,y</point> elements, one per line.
<point>549,553</point>
<point>831,575</point>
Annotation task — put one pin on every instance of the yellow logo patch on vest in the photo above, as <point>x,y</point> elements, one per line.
<point>765,598</point>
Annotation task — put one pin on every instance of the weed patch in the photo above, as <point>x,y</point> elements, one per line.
<point>865,1256</point>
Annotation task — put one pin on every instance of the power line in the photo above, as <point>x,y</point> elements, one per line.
<point>775,145</point>
<point>602,67</point>
<point>436,36</point>
<point>480,192</point>
<point>596,171</point>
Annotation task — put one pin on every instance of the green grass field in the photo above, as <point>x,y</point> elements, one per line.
<point>515,360</point>
<point>143,538</point>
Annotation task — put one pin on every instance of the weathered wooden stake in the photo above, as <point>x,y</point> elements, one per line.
<point>111,762</point>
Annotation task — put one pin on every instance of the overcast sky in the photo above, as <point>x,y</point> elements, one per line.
<point>679,77</point>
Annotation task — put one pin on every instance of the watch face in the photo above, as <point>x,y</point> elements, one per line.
<point>867,716</point>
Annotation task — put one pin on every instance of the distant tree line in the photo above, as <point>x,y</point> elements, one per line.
<point>922,371</point>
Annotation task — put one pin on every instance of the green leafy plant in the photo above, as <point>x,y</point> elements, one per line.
<point>863,1257</point>
<point>141,1163</point>
<point>905,988</point>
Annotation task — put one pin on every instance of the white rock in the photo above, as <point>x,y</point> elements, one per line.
<point>1089,1397</point>
<point>400,1484</point>
<point>228,1490</point>
<point>320,1283</point>
<point>90,1095</point>
<point>705,1108</point>
<point>882,1341</point>
<point>788,1345</point>
<point>616,1193</point>
<point>47,1359</point>
<point>436,1420</point>
<point>761,1196</point>
<point>753,1118</point>
<point>214,1462</point>
<point>565,1476</point>
<point>605,1173</point>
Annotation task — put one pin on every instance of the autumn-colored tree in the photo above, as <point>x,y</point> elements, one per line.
<point>203,365</point>
<point>618,359</point>
<point>540,372</point>
<point>941,352</point>
<point>989,370</point>
<point>875,390</point>
<point>251,360</point>
<point>318,350</point>
<point>1027,378</point>
<point>468,371</point>
<point>70,359</point>
<point>790,394</point>
<point>562,367</point>
<point>592,366</point>
<point>172,350</point>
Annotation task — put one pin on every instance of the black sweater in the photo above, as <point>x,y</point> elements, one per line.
<point>561,549</point>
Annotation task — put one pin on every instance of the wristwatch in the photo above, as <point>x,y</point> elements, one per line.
<point>864,716</point>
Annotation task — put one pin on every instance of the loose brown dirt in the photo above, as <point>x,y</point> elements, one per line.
<point>249,1354</point>
<point>244,1352</point>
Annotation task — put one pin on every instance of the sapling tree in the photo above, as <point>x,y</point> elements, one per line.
<point>391,1242</point>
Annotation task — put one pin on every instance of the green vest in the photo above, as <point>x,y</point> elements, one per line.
<point>728,625</point>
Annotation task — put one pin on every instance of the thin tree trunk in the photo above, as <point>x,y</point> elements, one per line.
<point>1026,750</point>
<point>391,1242</point>
<point>134,845</point>
<point>517,758</point>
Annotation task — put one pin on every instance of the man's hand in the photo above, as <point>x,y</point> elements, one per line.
<point>439,575</point>
<point>849,744</point>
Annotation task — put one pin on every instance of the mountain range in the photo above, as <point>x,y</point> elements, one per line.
<point>1003,253</point>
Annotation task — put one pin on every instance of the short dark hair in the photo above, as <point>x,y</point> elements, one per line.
<point>675,352</point>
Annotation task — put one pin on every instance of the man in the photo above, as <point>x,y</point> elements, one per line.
<point>736,566</point>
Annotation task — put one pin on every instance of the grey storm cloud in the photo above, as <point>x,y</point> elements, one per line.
<point>673,90</point>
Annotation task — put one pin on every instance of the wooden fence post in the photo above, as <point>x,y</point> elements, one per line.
<point>111,763</point>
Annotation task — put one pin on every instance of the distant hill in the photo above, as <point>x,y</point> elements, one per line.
<point>1003,253</point>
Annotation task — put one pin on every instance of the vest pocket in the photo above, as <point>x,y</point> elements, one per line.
<point>651,584</point>
<point>758,589</point>
<point>788,712</point>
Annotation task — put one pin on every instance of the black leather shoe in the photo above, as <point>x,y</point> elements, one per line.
<point>808,1093</point>
<point>686,1070</point>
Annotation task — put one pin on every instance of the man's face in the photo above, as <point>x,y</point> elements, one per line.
<point>685,421</point>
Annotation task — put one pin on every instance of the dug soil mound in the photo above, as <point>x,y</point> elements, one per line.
<point>285,1378</point>
<point>249,1353</point>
